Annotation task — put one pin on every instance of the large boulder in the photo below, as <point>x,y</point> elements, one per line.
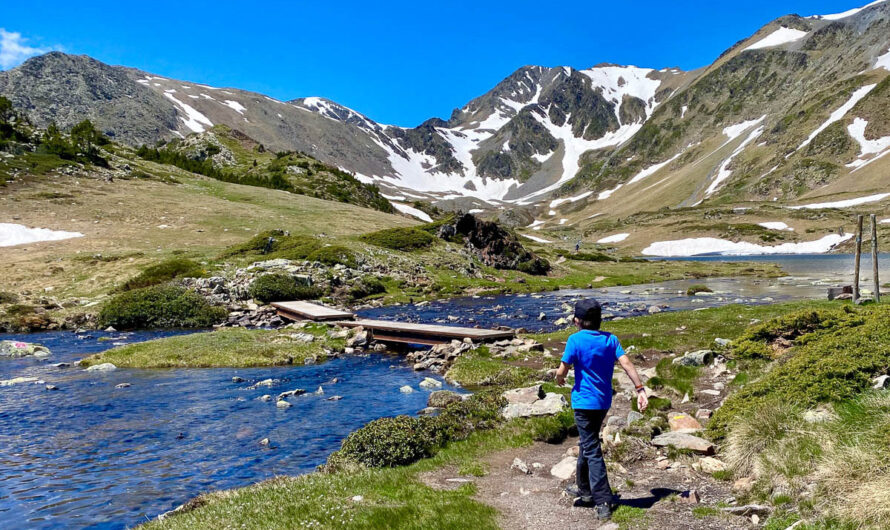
<point>565,468</point>
<point>682,440</point>
<point>526,395</point>
<point>14,348</point>
<point>551,404</point>
<point>682,422</point>
<point>104,367</point>
<point>695,358</point>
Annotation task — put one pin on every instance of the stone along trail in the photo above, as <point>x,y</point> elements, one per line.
<point>664,480</point>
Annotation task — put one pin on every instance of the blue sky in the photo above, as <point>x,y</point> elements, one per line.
<point>398,62</point>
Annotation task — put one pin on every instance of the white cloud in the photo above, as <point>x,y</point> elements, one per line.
<point>14,49</point>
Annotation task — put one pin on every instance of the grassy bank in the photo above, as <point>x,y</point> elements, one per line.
<point>397,497</point>
<point>233,347</point>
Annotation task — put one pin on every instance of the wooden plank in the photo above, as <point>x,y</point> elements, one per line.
<point>299,310</point>
<point>407,332</point>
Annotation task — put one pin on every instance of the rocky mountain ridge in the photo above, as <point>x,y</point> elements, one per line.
<point>760,123</point>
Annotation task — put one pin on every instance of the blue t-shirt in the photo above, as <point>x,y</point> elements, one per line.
<point>593,354</point>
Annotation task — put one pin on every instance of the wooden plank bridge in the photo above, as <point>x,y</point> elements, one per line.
<point>387,331</point>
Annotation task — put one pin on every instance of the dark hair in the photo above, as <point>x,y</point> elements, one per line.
<point>590,323</point>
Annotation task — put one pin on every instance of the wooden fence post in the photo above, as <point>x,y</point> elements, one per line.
<point>874,258</point>
<point>857,257</point>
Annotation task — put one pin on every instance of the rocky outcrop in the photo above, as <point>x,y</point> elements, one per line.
<point>12,348</point>
<point>682,440</point>
<point>440,357</point>
<point>494,245</point>
<point>532,401</point>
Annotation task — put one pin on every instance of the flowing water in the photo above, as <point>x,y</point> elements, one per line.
<point>92,455</point>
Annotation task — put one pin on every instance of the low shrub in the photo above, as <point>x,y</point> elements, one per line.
<point>404,239</point>
<point>698,288</point>
<point>586,256</point>
<point>162,306</point>
<point>365,287</point>
<point>164,272</point>
<point>402,440</point>
<point>334,255</point>
<point>279,287</point>
<point>834,362</point>
<point>8,298</point>
<point>293,247</point>
<point>766,340</point>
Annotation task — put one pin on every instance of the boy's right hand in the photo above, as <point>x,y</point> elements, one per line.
<point>642,401</point>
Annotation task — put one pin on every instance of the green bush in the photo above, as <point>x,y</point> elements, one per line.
<point>8,298</point>
<point>399,441</point>
<point>279,287</point>
<point>334,255</point>
<point>757,341</point>
<point>698,288</point>
<point>834,361</point>
<point>405,239</point>
<point>162,306</point>
<point>293,247</point>
<point>367,286</point>
<point>164,272</point>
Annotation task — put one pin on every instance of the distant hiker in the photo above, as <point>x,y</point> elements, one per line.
<point>593,354</point>
<point>269,243</point>
<point>578,247</point>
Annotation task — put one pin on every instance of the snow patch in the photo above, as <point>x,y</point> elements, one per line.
<point>536,239</point>
<point>710,245</point>
<point>838,114</point>
<point>724,172</point>
<point>556,202</point>
<point>651,170</point>
<point>883,61</point>
<point>616,238</point>
<point>15,234</point>
<point>412,211</point>
<point>781,36</point>
<point>842,204</point>
<point>234,105</point>
<point>869,147</point>
<point>776,225</point>
<point>845,14</point>
<point>194,120</point>
<point>619,81</point>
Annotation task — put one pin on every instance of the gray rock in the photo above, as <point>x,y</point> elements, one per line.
<point>122,385</point>
<point>15,348</point>
<point>881,382</point>
<point>682,440</point>
<point>291,393</point>
<point>443,398</point>
<point>429,411</point>
<point>406,389</point>
<point>615,421</point>
<point>62,365</point>
<point>104,367</point>
<point>17,381</point>
<point>429,382</point>
<point>237,379</point>
<point>525,395</point>
<point>51,387</point>
<point>565,468</point>
<point>264,442</point>
<point>282,404</point>
<point>634,416</point>
<point>696,358</point>
<point>335,398</point>
<point>551,404</point>
<point>520,466</point>
<point>654,309</point>
<point>760,510</point>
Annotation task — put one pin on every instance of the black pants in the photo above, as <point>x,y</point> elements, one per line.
<point>591,473</point>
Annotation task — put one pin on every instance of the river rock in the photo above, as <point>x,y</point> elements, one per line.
<point>653,310</point>
<point>526,395</point>
<point>634,416</point>
<point>14,348</point>
<point>709,465</point>
<point>429,382</point>
<point>443,398</point>
<point>104,367</point>
<point>696,358</point>
<point>237,379</point>
<point>17,381</point>
<point>682,422</point>
<point>291,393</point>
<point>682,440</point>
<point>565,468</point>
<point>335,398</point>
<point>282,404</point>
<point>122,385</point>
<point>552,403</point>
<point>51,387</point>
<point>265,383</point>
<point>406,389</point>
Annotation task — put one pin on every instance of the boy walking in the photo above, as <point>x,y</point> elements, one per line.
<point>593,354</point>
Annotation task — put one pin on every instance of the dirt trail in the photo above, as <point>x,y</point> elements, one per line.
<point>653,482</point>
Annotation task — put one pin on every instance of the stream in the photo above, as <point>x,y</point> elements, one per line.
<point>93,455</point>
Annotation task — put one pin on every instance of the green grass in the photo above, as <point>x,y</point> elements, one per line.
<point>405,239</point>
<point>163,272</point>
<point>629,517</point>
<point>678,377</point>
<point>476,368</point>
<point>705,511</point>
<point>232,347</point>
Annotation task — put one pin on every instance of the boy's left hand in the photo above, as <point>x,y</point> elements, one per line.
<point>642,401</point>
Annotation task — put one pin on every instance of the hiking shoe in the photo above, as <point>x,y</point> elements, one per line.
<point>573,491</point>
<point>603,511</point>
